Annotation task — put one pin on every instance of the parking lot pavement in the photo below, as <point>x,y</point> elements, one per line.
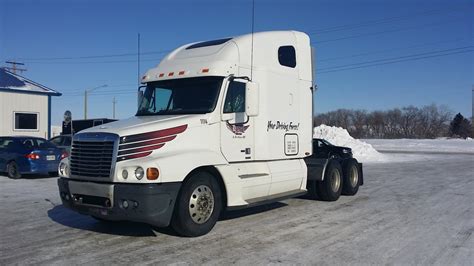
<point>413,212</point>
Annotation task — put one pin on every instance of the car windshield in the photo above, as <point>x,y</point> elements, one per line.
<point>326,142</point>
<point>6,143</point>
<point>180,96</point>
<point>56,141</point>
<point>34,143</point>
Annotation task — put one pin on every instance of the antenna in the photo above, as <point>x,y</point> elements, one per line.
<point>138,60</point>
<point>251,51</point>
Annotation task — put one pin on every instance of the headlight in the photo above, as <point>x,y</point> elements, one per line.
<point>139,173</point>
<point>346,151</point>
<point>63,169</point>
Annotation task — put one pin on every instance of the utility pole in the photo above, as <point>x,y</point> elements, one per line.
<point>14,66</point>
<point>472,106</point>
<point>114,102</point>
<point>86,91</point>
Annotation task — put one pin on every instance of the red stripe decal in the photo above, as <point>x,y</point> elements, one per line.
<point>153,134</point>
<point>149,148</point>
<point>145,143</point>
<point>134,156</point>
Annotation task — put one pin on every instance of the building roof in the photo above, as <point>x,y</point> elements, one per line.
<point>12,82</point>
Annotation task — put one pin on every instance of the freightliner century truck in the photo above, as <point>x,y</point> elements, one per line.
<point>221,125</point>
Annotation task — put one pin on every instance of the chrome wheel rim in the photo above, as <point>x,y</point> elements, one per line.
<point>335,180</point>
<point>201,204</point>
<point>354,176</point>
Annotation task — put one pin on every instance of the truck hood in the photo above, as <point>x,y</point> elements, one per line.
<point>142,124</point>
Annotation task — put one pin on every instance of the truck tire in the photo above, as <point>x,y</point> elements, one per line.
<point>350,171</point>
<point>13,171</point>
<point>331,187</point>
<point>198,205</point>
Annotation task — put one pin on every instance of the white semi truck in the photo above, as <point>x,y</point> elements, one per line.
<point>221,125</point>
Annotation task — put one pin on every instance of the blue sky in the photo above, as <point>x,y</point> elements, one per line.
<point>73,45</point>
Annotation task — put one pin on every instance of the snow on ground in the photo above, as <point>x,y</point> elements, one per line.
<point>406,213</point>
<point>390,150</point>
<point>338,136</point>
<point>442,145</point>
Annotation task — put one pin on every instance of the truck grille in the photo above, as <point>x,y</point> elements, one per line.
<point>92,158</point>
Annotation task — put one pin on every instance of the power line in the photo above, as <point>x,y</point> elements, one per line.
<point>399,57</point>
<point>319,31</point>
<point>315,42</point>
<point>79,92</point>
<point>395,61</point>
<point>372,63</point>
<point>98,62</point>
<point>92,56</point>
<point>387,50</point>
<point>385,31</point>
<point>381,21</point>
<point>157,59</point>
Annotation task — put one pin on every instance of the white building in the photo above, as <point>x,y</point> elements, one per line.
<point>25,106</point>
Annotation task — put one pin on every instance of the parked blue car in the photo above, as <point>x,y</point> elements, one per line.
<point>29,155</point>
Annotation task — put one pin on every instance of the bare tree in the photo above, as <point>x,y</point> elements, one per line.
<point>429,121</point>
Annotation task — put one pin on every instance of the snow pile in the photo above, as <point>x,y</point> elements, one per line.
<point>338,136</point>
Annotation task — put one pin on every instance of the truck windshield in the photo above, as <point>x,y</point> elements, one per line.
<point>180,96</point>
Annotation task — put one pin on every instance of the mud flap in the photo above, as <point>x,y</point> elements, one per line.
<point>361,174</point>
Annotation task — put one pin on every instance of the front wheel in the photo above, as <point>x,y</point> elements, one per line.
<point>331,187</point>
<point>198,205</point>
<point>13,171</point>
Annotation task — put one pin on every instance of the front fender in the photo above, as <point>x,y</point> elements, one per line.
<point>176,167</point>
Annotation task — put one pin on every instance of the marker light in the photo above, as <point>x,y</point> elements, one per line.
<point>139,173</point>
<point>205,70</point>
<point>124,173</point>
<point>161,75</point>
<point>152,173</point>
<point>181,73</point>
<point>170,74</point>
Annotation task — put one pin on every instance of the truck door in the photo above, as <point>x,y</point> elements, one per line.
<point>237,130</point>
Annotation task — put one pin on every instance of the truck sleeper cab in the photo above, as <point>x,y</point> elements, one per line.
<point>215,129</point>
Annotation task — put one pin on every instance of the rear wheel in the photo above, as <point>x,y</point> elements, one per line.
<point>331,187</point>
<point>13,171</point>
<point>351,177</point>
<point>198,205</point>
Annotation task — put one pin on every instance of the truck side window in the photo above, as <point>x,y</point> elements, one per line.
<point>287,56</point>
<point>163,99</point>
<point>235,98</point>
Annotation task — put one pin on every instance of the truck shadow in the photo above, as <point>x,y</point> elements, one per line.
<point>229,215</point>
<point>28,176</point>
<point>66,217</point>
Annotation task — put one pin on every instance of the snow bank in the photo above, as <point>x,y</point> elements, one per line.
<point>338,136</point>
